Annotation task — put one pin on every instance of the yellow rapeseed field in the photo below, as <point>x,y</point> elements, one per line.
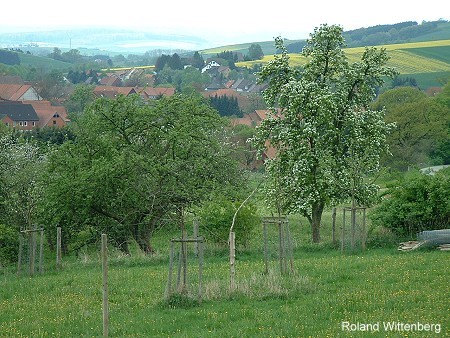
<point>404,61</point>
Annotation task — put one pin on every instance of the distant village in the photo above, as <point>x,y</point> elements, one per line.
<point>22,108</point>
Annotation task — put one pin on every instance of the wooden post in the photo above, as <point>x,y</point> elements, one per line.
<point>266,253</point>
<point>41,252</point>
<point>333,226</point>
<point>19,258</point>
<point>200,271</point>
<point>58,248</point>
<point>343,230</point>
<point>196,226</point>
<point>32,250</point>
<point>353,225</point>
<point>105,285</point>
<point>180,260</point>
<point>280,244</point>
<point>183,251</point>
<point>169,279</point>
<point>363,239</point>
<point>232,261</point>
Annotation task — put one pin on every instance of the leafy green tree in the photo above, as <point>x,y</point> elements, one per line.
<point>21,167</point>
<point>56,54</point>
<point>51,85</point>
<point>216,216</point>
<point>72,56</point>
<point>135,163</point>
<point>255,52</point>
<point>183,80</point>
<point>245,151</point>
<point>82,96</point>
<point>9,58</point>
<point>326,136</point>
<point>421,126</point>
<point>418,203</point>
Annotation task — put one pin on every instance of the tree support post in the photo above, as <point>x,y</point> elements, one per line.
<point>105,285</point>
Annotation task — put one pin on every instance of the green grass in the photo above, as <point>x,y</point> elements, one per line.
<point>327,288</point>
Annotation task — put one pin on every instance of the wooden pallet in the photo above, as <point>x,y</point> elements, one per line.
<point>411,245</point>
<point>444,247</point>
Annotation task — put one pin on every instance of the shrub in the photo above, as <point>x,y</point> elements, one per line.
<point>9,244</point>
<point>217,215</point>
<point>419,203</point>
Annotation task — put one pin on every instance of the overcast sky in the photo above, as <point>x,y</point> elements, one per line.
<point>222,22</point>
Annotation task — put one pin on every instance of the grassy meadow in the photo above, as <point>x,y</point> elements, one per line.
<point>326,288</point>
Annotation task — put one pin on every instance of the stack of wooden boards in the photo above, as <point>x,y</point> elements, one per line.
<point>438,238</point>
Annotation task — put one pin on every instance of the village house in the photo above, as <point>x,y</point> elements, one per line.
<point>49,115</point>
<point>18,92</point>
<point>111,92</point>
<point>18,115</point>
<point>153,93</point>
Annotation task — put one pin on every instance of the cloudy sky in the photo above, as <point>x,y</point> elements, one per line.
<point>221,22</point>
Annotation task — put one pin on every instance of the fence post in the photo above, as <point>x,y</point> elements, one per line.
<point>266,252</point>
<point>32,235</point>
<point>196,226</point>
<point>41,252</point>
<point>105,285</point>
<point>363,239</point>
<point>343,230</point>
<point>58,248</point>
<point>333,226</point>
<point>19,258</point>
<point>232,260</point>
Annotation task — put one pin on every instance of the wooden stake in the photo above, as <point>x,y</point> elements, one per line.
<point>266,253</point>
<point>333,226</point>
<point>41,253</point>
<point>58,248</point>
<point>32,252</point>
<point>19,258</point>
<point>343,230</point>
<point>363,243</point>
<point>169,279</point>
<point>232,261</point>
<point>105,285</point>
<point>200,272</point>
<point>196,226</point>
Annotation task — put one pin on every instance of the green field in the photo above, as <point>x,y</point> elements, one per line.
<point>327,288</point>
<point>408,58</point>
<point>428,62</point>
<point>43,63</point>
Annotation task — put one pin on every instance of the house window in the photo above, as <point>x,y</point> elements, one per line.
<point>21,123</point>
<point>24,123</point>
<point>34,124</point>
<point>54,122</point>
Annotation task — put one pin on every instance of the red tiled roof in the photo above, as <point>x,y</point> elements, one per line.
<point>48,113</point>
<point>13,92</point>
<point>112,91</point>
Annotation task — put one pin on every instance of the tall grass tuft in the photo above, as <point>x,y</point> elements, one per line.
<point>260,286</point>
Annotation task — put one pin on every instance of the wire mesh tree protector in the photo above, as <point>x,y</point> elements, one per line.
<point>283,236</point>
<point>181,284</point>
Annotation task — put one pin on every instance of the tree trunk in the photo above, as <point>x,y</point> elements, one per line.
<point>316,217</point>
<point>143,235</point>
